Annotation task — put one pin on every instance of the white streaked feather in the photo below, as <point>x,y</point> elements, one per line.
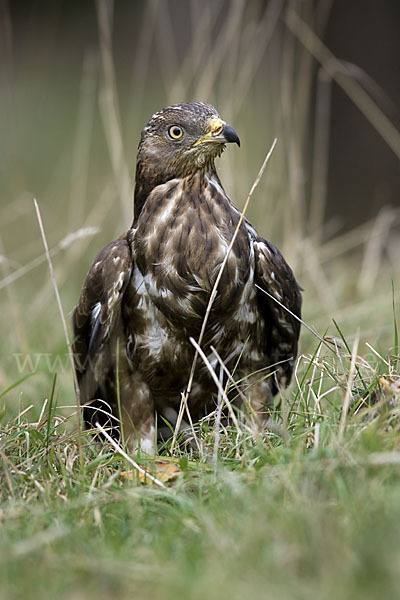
<point>95,313</point>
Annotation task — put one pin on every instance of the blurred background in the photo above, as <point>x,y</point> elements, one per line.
<point>78,82</point>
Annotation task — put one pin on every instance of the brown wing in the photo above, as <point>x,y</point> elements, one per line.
<point>97,314</point>
<point>274,276</point>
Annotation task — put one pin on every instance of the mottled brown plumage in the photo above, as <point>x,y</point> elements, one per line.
<point>147,293</point>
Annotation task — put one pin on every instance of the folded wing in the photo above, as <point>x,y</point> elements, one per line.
<point>275,278</point>
<point>96,319</point>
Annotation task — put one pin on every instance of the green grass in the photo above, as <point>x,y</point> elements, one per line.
<point>306,511</point>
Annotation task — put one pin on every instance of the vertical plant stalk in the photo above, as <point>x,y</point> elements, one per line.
<point>217,383</point>
<point>217,424</point>
<point>395,331</point>
<point>213,295</point>
<point>117,385</point>
<point>109,108</point>
<point>50,410</point>
<point>64,323</point>
<point>83,138</point>
<point>349,389</point>
<point>320,155</point>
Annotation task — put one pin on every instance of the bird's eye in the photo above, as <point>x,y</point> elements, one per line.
<point>175,132</point>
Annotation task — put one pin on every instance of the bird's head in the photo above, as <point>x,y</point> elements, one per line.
<point>178,141</point>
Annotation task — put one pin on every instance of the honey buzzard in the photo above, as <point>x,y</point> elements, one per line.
<point>146,293</point>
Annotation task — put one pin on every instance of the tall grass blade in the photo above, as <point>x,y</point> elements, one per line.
<point>50,410</point>
<point>396,349</point>
<point>64,324</point>
<point>16,383</point>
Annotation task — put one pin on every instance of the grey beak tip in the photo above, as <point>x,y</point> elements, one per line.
<point>230,135</point>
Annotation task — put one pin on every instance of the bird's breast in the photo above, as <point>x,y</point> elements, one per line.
<point>181,240</point>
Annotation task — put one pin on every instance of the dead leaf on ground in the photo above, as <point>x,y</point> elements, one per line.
<point>163,470</point>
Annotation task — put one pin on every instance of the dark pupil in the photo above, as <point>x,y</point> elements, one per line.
<point>176,131</point>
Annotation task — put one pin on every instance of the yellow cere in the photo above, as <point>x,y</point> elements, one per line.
<point>216,126</point>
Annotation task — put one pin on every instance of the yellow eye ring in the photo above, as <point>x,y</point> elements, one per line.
<point>175,132</point>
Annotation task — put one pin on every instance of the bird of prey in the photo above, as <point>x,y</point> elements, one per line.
<point>146,293</point>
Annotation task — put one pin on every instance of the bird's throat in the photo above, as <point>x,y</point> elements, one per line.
<point>149,177</point>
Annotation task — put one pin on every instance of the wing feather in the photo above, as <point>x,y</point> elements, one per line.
<point>95,317</point>
<point>274,276</point>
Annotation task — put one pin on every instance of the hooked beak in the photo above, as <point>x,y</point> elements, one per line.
<point>230,135</point>
<point>220,133</point>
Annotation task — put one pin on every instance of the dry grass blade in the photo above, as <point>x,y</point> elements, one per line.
<point>222,48</point>
<point>217,383</point>
<point>255,49</point>
<point>310,329</point>
<point>36,262</point>
<point>321,154</point>
<point>109,109</point>
<point>94,221</point>
<point>142,57</point>
<point>344,243</point>
<point>235,384</point>
<point>378,355</point>
<point>7,475</point>
<point>203,22</point>
<point>349,388</point>
<point>83,136</point>
<point>11,277</point>
<point>373,253</point>
<point>214,292</point>
<point>384,458</point>
<point>130,460</point>
<point>229,375</point>
<point>66,335</point>
<point>217,426</point>
<point>343,78</point>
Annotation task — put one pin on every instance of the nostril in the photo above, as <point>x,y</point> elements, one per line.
<point>217,130</point>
